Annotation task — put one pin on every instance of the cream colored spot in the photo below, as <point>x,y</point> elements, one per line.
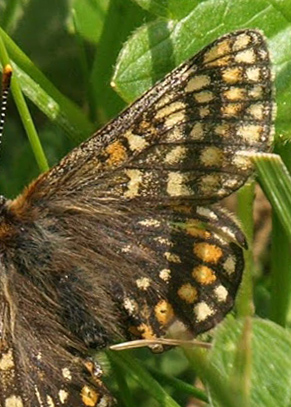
<point>89,396</point>
<point>66,374</point>
<point>188,293</point>
<point>232,75</point>
<point>217,51</point>
<point>6,361</point>
<point>172,258</point>
<point>230,183</point>
<point>130,305</point>
<point>202,211</point>
<point>211,156</point>
<point>247,56</point>
<point>250,132</point>
<point>174,119</point>
<point>136,143</point>
<point>135,179</point>
<point>173,135</point>
<point>225,61</point>
<point>203,274</point>
<point>207,252</point>
<point>228,232</point>
<point>143,283</point>
<point>63,395</point>
<point>242,41</point>
<point>202,311</point>
<point>165,100</point>
<point>235,93</point>
<point>221,293</point>
<point>229,265</point>
<point>197,131</point>
<point>256,92</point>
<point>13,401</point>
<point>197,82</point>
<point>169,110</point>
<point>204,111</point>
<point>256,110</point>
<point>176,155</point>
<point>150,222</point>
<point>242,162</point>
<point>117,153</point>
<point>204,96</point>
<point>50,402</point>
<point>164,312</point>
<point>223,130</point>
<point>104,402</point>
<point>176,185</point>
<point>231,109</point>
<point>209,183</point>
<point>165,275</point>
<point>253,74</point>
<point>163,241</point>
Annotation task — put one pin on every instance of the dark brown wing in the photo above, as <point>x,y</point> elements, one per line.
<point>37,367</point>
<point>186,137</point>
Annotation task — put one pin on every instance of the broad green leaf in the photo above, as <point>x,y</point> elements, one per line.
<point>122,17</point>
<point>271,361</point>
<point>175,9</point>
<point>90,16</point>
<point>156,48</point>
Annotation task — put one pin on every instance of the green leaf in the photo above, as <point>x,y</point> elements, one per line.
<point>174,9</point>
<point>271,361</point>
<point>126,16</point>
<point>156,48</point>
<point>90,18</point>
<point>276,182</point>
<point>43,93</point>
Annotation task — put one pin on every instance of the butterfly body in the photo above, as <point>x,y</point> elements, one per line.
<point>118,240</point>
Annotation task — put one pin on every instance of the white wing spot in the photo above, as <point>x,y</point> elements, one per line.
<point>176,155</point>
<point>66,374</point>
<point>136,143</point>
<point>197,82</point>
<point>248,56</point>
<point>165,275</point>
<point>221,293</point>
<point>143,283</point>
<point>203,311</point>
<point>13,401</point>
<point>135,179</point>
<point>229,265</point>
<point>63,395</point>
<point>6,361</point>
<point>176,184</point>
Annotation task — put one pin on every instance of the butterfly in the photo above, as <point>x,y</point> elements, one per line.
<point>123,238</point>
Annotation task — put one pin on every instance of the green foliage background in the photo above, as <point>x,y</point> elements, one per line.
<point>67,54</point>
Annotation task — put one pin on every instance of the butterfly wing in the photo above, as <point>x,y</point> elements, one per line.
<point>186,138</point>
<point>113,241</point>
<point>36,366</point>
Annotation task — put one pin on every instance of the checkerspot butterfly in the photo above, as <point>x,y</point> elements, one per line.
<point>118,240</point>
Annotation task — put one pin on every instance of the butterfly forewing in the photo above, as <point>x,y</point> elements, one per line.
<point>116,242</point>
<point>186,138</point>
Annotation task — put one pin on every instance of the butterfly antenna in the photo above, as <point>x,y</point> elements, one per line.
<point>6,79</point>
